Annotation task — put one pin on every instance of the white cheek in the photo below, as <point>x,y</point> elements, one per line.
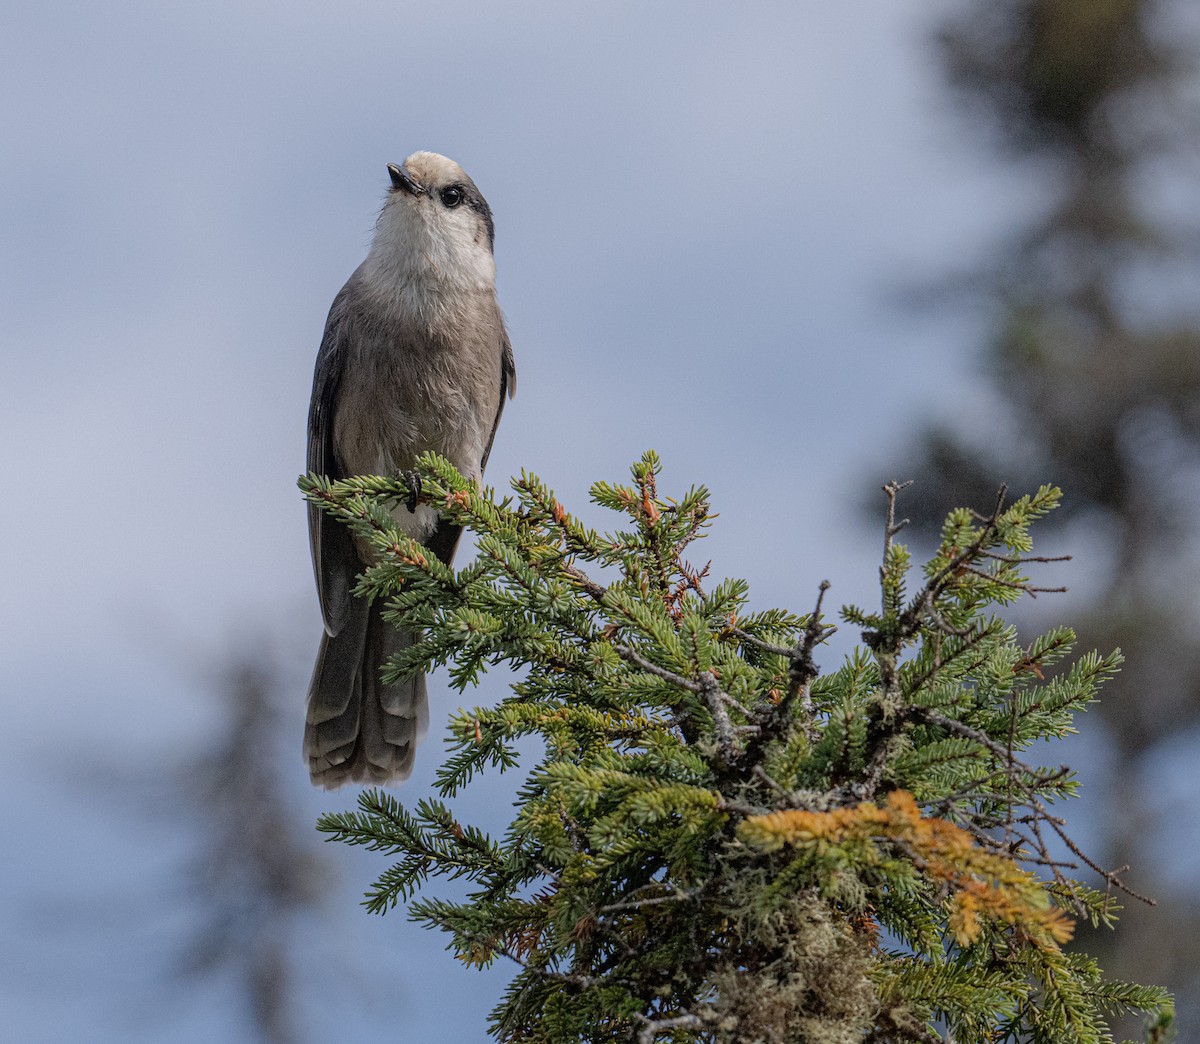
<point>462,258</point>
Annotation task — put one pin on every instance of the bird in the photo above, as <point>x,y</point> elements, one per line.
<point>415,357</point>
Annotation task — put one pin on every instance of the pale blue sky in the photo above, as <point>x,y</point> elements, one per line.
<point>702,210</point>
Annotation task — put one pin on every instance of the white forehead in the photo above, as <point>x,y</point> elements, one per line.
<point>430,167</point>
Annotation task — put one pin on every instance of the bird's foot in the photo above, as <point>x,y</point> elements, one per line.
<point>412,479</point>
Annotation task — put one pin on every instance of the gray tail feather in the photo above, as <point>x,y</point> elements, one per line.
<point>359,729</point>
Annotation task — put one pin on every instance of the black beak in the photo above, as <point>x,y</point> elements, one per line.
<point>402,180</point>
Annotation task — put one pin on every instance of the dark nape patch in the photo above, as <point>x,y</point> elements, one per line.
<point>478,204</point>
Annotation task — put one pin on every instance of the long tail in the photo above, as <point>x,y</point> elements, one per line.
<point>358,728</point>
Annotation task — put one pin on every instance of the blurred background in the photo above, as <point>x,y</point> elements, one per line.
<point>796,248</point>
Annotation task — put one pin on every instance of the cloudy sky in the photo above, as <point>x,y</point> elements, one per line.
<point>704,213</point>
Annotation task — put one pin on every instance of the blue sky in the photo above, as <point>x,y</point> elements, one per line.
<point>703,213</point>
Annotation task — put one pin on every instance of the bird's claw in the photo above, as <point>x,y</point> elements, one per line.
<point>412,479</point>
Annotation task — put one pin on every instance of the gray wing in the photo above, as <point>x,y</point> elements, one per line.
<point>335,562</point>
<point>444,538</point>
<point>508,388</point>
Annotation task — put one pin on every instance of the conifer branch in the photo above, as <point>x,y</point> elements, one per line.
<point>717,833</point>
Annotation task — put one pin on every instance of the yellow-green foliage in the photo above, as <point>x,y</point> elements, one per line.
<point>979,884</point>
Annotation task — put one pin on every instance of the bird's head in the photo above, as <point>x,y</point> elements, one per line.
<point>435,226</point>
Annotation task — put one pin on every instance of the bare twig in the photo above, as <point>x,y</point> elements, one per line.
<point>779,650</point>
<point>576,980</point>
<point>726,740</point>
<point>803,669</point>
<point>653,1027</point>
<point>772,719</point>
<point>1022,559</point>
<point>630,656</point>
<point>1028,589</point>
<point>629,906</point>
<point>731,702</point>
<point>893,490</point>
<point>593,589</point>
<point>760,773</point>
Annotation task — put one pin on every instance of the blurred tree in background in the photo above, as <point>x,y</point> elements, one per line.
<point>1094,355</point>
<point>246,929</point>
<point>257,869</point>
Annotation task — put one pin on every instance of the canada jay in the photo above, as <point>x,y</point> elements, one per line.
<point>415,358</point>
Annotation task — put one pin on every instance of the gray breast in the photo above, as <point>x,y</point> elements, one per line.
<point>409,386</point>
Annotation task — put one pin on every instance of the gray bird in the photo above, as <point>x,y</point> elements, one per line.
<point>415,358</point>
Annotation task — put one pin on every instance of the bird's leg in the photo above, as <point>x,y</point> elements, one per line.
<point>412,479</point>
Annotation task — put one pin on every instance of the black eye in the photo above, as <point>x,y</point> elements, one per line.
<point>452,196</point>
